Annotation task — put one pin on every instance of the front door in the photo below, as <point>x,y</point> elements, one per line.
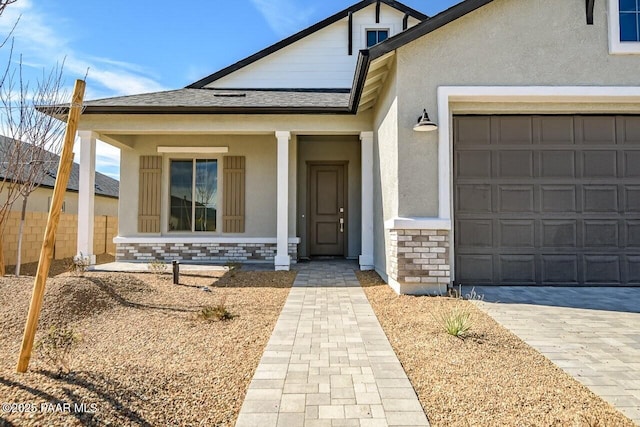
<point>327,209</point>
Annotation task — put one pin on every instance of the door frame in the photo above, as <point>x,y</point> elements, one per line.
<point>345,165</point>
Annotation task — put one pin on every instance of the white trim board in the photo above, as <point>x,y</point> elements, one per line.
<point>196,150</point>
<point>506,94</point>
<point>417,223</point>
<point>159,240</point>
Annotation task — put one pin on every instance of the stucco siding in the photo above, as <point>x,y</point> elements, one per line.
<point>385,169</point>
<point>261,198</point>
<point>506,43</point>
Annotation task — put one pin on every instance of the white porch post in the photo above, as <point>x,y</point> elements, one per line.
<point>86,195</point>
<point>366,153</point>
<point>282,259</point>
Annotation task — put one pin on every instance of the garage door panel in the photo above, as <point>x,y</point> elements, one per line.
<point>547,200</point>
<point>557,164</point>
<point>597,130</point>
<point>632,234</point>
<point>599,164</point>
<point>558,198</point>
<point>473,164</point>
<point>600,198</point>
<point>474,233</point>
<point>632,269</point>
<point>601,234</point>
<point>473,131</point>
<point>560,269</point>
<point>517,269</point>
<point>512,130</point>
<point>516,234</point>
<point>474,198</point>
<point>515,198</point>
<point>632,198</point>
<point>515,164</point>
<point>559,233</point>
<point>556,130</point>
<point>474,268</point>
<point>629,130</point>
<point>602,269</point>
<point>631,164</point>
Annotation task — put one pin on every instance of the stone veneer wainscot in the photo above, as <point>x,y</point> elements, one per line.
<point>419,260</point>
<point>201,252</point>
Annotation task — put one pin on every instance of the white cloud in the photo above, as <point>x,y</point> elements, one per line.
<point>285,17</point>
<point>39,39</point>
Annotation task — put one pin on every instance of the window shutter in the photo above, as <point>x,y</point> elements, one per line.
<point>149,194</point>
<point>233,194</point>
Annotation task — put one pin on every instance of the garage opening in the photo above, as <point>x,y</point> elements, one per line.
<point>547,200</point>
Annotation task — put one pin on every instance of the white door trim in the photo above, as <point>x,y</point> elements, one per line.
<point>505,94</point>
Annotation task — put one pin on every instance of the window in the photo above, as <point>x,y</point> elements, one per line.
<point>624,26</point>
<point>376,36</point>
<point>629,18</point>
<point>193,195</point>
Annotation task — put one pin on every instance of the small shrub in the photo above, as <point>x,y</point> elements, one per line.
<point>56,347</point>
<point>216,312</point>
<point>78,266</point>
<point>233,267</point>
<point>456,320</point>
<point>157,267</point>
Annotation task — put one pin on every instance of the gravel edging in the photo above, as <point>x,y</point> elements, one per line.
<point>489,378</point>
<point>145,358</point>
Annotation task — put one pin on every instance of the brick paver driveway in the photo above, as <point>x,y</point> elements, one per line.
<point>591,333</point>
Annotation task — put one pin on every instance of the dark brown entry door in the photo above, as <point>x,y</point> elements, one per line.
<point>327,210</point>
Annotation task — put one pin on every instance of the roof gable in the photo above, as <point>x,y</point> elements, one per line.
<point>303,34</point>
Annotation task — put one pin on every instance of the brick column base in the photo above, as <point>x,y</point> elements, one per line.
<point>419,261</point>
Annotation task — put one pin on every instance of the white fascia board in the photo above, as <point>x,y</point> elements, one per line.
<point>159,240</point>
<point>197,150</point>
<point>417,223</point>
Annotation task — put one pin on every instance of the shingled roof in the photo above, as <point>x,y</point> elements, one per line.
<point>225,101</point>
<point>104,185</point>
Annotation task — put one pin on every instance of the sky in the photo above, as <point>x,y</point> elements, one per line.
<point>126,47</point>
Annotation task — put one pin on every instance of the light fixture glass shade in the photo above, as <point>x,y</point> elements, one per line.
<point>424,123</point>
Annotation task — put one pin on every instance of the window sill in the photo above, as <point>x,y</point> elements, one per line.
<point>624,48</point>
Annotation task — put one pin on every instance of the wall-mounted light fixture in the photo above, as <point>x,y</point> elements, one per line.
<point>424,123</point>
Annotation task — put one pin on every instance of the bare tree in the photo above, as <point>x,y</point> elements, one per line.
<point>31,138</point>
<point>35,137</point>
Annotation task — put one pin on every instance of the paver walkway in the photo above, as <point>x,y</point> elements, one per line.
<point>328,362</point>
<point>591,333</point>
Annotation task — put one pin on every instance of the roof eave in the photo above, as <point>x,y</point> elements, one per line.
<point>213,110</point>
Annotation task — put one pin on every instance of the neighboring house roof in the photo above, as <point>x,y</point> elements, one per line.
<point>104,185</point>
<point>226,101</point>
<point>302,34</point>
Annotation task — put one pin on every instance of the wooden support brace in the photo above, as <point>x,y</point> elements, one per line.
<point>48,244</point>
<point>589,5</point>
<point>350,33</point>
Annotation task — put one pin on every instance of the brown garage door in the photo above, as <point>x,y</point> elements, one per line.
<point>547,200</point>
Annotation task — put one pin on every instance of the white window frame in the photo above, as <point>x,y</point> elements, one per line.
<point>616,47</point>
<point>166,195</point>
<point>391,28</point>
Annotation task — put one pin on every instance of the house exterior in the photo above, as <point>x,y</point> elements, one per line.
<point>308,148</point>
<point>105,212</point>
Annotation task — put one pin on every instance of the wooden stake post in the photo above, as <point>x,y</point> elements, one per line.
<point>59,190</point>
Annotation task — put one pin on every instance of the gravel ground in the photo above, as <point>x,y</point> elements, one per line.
<point>490,378</point>
<point>58,266</point>
<point>145,358</point>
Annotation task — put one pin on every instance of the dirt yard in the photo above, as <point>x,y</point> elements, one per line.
<point>490,378</point>
<point>145,357</point>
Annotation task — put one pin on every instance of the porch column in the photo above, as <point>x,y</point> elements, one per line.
<point>282,259</point>
<point>86,195</point>
<point>366,153</point>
